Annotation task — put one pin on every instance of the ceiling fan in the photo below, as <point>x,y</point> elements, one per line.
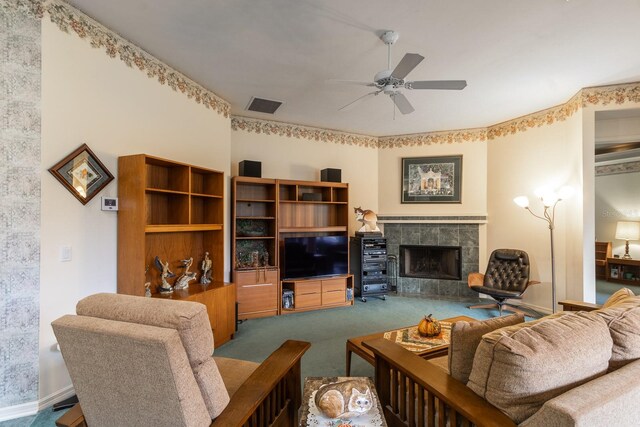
<point>390,81</point>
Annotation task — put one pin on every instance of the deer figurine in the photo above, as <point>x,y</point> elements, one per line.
<point>368,218</point>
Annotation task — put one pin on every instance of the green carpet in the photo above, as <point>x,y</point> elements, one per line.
<point>604,290</point>
<point>328,331</point>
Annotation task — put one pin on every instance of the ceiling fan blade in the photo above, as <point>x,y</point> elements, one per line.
<point>402,103</point>
<point>348,82</point>
<point>359,100</point>
<point>408,63</point>
<point>437,84</point>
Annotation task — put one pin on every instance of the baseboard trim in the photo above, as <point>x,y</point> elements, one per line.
<point>56,397</point>
<point>18,411</point>
<point>32,408</point>
<point>539,309</point>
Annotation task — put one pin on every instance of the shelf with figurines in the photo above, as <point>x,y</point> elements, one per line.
<point>180,282</point>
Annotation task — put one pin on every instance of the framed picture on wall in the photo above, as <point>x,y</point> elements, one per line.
<point>82,173</point>
<point>432,179</point>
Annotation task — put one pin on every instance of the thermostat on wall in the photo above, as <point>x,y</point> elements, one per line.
<point>109,203</point>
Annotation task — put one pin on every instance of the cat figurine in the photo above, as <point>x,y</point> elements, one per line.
<point>349,398</point>
<point>368,218</point>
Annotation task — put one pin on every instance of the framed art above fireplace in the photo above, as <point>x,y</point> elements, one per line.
<point>432,179</point>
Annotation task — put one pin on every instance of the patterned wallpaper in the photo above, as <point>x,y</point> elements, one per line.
<point>19,204</point>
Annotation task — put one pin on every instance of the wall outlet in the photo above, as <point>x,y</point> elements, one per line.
<point>109,203</point>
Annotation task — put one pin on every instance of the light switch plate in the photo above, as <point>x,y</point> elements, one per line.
<point>65,253</point>
<point>109,203</point>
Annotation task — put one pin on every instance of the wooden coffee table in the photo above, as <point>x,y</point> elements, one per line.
<point>354,345</point>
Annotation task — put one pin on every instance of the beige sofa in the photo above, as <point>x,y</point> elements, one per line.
<point>568,369</point>
<point>138,361</point>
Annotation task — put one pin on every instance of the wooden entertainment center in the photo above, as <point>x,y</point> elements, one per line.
<point>264,212</point>
<point>174,211</point>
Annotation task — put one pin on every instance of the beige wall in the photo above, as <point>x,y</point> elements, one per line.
<point>292,158</point>
<point>517,165</point>
<point>474,179</point>
<point>90,98</point>
<point>474,184</point>
<point>551,155</point>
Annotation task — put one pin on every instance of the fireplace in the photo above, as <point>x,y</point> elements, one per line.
<point>431,262</point>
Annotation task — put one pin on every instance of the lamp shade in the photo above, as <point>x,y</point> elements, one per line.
<point>522,201</point>
<point>628,230</point>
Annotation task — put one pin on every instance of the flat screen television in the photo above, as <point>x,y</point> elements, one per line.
<point>315,256</point>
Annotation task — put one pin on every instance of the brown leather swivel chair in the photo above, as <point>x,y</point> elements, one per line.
<point>507,277</point>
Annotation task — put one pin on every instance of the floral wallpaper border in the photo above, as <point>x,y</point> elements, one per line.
<point>601,95</point>
<point>269,127</point>
<point>618,168</point>
<point>433,138</point>
<point>67,18</point>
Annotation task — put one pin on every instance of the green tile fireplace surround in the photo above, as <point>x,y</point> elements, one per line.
<point>462,231</point>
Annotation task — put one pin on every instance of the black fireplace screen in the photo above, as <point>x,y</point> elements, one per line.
<point>431,262</point>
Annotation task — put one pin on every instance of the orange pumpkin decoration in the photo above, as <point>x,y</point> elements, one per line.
<point>429,327</point>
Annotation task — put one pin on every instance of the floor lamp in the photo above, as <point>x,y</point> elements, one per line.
<point>549,201</point>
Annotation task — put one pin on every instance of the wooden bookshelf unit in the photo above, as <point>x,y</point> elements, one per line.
<point>254,230</point>
<point>603,252</point>
<point>619,268</point>
<point>174,211</point>
<point>264,212</point>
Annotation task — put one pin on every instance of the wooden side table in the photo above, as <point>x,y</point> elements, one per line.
<point>354,345</point>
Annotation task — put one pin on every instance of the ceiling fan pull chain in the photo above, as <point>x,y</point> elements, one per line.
<point>389,56</point>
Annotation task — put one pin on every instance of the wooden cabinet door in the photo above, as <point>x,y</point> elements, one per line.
<point>333,297</point>
<point>334,291</point>
<point>329,285</point>
<point>257,293</point>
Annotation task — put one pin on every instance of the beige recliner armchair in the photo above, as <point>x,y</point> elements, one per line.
<point>138,361</point>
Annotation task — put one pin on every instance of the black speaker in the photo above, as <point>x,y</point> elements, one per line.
<point>331,175</point>
<point>250,168</point>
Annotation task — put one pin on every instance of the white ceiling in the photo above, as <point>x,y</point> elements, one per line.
<point>518,56</point>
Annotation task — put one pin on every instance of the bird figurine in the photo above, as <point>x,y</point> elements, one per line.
<point>187,276</point>
<point>165,287</point>
<point>206,265</point>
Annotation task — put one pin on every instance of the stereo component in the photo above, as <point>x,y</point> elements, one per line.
<point>369,266</point>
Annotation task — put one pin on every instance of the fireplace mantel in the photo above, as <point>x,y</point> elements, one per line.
<point>431,219</point>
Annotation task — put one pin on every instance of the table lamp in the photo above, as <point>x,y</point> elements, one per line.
<point>627,230</point>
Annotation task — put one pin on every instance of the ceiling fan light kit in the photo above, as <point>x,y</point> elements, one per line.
<point>390,82</point>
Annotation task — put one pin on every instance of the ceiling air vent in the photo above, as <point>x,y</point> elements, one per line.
<point>263,105</point>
